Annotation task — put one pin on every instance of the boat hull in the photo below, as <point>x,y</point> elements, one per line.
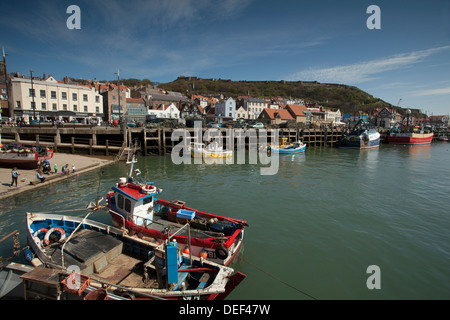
<point>215,251</point>
<point>23,160</point>
<point>410,138</point>
<point>218,288</point>
<point>288,150</point>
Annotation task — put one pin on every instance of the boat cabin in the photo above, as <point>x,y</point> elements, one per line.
<point>134,200</point>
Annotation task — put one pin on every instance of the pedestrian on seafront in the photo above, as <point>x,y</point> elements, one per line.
<point>56,168</point>
<point>14,175</point>
<point>40,176</point>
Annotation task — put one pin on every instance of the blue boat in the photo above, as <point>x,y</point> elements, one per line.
<point>128,264</point>
<point>285,148</point>
<point>360,137</point>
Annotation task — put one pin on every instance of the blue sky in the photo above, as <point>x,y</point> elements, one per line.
<point>323,40</point>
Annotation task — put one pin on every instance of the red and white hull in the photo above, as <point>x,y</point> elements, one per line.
<point>410,138</point>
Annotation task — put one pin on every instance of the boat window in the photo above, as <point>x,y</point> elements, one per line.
<point>147,200</point>
<point>120,201</point>
<point>127,205</point>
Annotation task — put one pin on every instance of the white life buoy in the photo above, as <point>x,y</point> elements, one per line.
<point>148,189</point>
<point>35,236</point>
<point>61,231</point>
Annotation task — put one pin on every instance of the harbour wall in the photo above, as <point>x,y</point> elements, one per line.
<point>109,141</point>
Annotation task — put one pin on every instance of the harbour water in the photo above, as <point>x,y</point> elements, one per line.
<point>315,227</point>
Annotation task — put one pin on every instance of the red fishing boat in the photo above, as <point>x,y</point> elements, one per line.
<point>409,134</point>
<point>16,155</point>
<point>133,204</point>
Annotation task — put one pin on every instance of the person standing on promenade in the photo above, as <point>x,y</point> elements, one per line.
<point>55,166</point>
<point>14,175</point>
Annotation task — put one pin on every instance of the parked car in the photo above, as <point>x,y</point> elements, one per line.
<point>256,125</point>
<point>212,125</point>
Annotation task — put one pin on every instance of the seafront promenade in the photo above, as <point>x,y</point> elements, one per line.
<point>28,180</point>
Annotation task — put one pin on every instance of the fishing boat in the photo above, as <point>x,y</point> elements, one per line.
<point>408,134</point>
<point>211,150</point>
<point>287,148</point>
<point>360,137</point>
<point>133,205</point>
<point>16,155</point>
<point>443,138</point>
<point>128,265</point>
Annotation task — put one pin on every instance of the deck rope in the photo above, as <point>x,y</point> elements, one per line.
<point>278,279</point>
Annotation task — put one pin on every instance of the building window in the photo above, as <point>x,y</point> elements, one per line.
<point>18,105</point>
<point>65,107</point>
<point>75,108</point>
<point>64,95</point>
<point>33,105</point>
<point>85,97</point>
<point>42,93</point>
<point>97,99</point>
<point>53,94</point>
<point>43,106</point>
<point>54,107</point>
<point>31,93</point>
<point>85,109</point>
<point>74,96</point>
<point>97,109</point>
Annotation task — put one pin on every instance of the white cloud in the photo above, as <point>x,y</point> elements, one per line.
<point>364,71</point>
<point>432,92</point>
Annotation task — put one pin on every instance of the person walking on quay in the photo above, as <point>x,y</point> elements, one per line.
<point>55,166</point>
<point>14,175</point>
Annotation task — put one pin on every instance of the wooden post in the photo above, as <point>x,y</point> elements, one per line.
<point>107,151</point>
<point>73,144</point>
<point>90,146</point>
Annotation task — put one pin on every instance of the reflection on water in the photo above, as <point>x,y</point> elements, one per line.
<point>317,224</point>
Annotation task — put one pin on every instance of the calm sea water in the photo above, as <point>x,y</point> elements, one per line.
<point>315,226</point>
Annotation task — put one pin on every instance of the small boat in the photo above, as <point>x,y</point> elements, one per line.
<point>287,148</point>
<point>128,265</point>
<point>409,134</point>
<point>211,150</point>
<point>16,155</point>
<point>11,285</point>
<point>360,137</point>
<point>443,138</point>
<point>133,205</point>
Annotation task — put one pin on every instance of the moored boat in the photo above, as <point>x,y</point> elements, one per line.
<point>211,150</point>
<point>16,155</point>
<point>408,134</point>
<point>128,265</point>
<point>132,204</point>
<point>360,137</point>
<point>287,148</point>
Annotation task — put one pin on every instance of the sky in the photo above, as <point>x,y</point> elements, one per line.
<point>405,62</point>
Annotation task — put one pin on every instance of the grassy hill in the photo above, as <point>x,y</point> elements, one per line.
<point>346,98</point>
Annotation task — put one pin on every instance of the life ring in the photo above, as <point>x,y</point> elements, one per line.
<point>49,232</point>
<point>35,235</point>
<point>222,252</point>
<point>148,189</point>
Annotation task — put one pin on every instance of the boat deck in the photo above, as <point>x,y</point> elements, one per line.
<point>101,257</point>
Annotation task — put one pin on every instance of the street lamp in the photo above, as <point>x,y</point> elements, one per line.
<point>32,95</point>
<point>118,92</point>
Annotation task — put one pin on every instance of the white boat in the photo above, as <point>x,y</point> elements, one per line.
<point>211,150</point>
<point>105,255</point>
<point>287,148</point>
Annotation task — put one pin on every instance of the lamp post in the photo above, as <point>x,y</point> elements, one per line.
<point>32,95</point>
<point>118,93</point>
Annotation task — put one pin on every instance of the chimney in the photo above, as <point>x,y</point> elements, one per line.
<point>44,76</point>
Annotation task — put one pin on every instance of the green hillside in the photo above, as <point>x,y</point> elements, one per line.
<point>346,98</point>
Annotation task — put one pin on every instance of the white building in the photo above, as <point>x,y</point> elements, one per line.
<point>165,112</point>
<point>333,116</point>
<point>226,108</point>
<point>50,99</point>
